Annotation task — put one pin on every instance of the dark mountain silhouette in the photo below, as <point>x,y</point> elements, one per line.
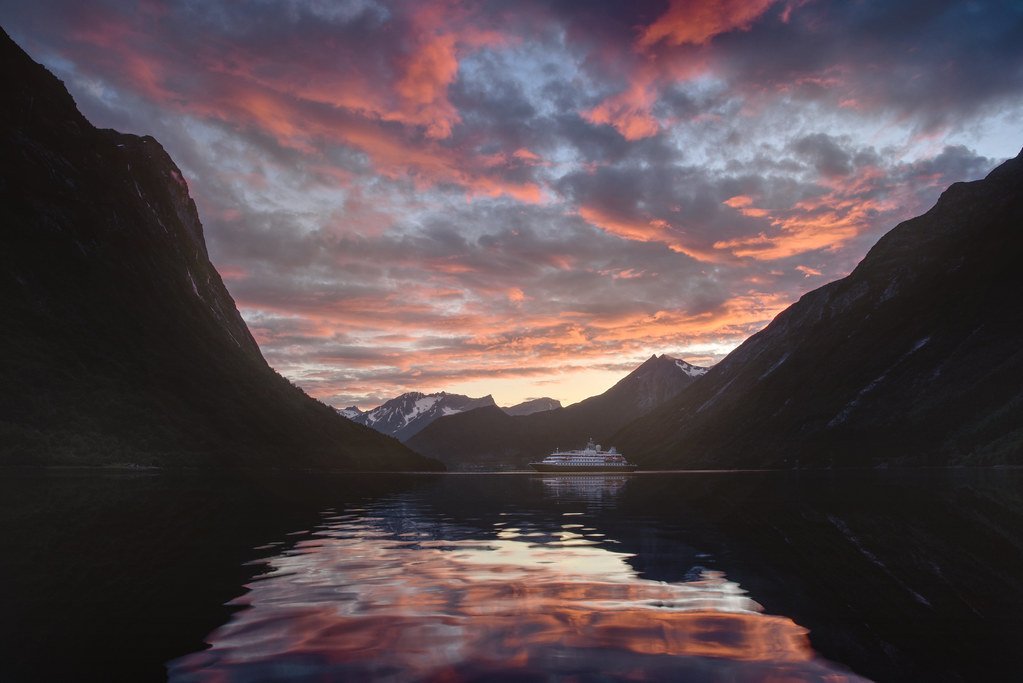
<point>406,415</point>
<point>120,342</point>
<point>536,405</point>
<point>489,438</point>
<point>915,358</point>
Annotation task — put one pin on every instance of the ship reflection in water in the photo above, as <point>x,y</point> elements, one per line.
<point>590,488</point>
<point>382,593</point>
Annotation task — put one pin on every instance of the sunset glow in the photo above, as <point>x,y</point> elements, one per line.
<point>530,198</point>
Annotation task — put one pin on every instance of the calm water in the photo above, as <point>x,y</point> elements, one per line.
<point>839,576</point>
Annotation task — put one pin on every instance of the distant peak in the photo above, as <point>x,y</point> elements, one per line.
<point>533,405</point>
<point>663,359</point>
<point>652,360</point>
<point>349,412</point>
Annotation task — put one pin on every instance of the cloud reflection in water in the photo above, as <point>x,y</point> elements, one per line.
<point>385,595</point>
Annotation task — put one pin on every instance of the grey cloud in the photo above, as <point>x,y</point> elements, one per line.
<point>824,153</point>
<point>936,62</point>
<point>305,241</point>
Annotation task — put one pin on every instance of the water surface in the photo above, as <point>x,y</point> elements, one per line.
<point>698,577</point>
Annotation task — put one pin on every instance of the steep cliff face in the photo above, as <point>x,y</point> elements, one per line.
<point>915,358</point>
<point>121,343</point>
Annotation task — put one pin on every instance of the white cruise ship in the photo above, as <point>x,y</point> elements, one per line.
<point>589,459</point>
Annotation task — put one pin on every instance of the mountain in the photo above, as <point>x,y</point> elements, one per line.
<point>914,358</point>
<point>489,438</point>
<point>536,405</point>
<point>404,416</point>
<point>120,343</point>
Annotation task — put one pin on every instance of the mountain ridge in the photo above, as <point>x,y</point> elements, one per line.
<point>533,405</point>
<point>122,345</point>
<point>913,358</point>
<point>409,413</point>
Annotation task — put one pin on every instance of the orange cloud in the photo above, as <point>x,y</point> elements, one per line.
<point>433,65</point>
<point>827,222</point>
<point>398,119</point>
<point>297,126</point>
<point>686,22</point>
<point>807,271</point>
<point>798,235</point>
<point>525,154</point>
<point>735,318</point>
<point>696,22</point>
<point>459,338</point>
<point>424,86</point>
<point>628,112</point>
<point>649,230</point>
<point>744,205</point>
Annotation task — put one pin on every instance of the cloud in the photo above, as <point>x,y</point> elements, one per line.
<point>821,150</point>
<point>419,195</point>
<point>697,22</point>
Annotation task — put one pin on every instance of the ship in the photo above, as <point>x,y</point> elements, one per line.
<point>589,459</point>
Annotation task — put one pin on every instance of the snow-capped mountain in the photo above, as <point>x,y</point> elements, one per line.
<point>404,416</point>
<point>658,379</point>
<point>492,438</point>
<point>536,405</point>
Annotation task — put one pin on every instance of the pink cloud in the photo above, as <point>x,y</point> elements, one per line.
<point>828,222</point>
<point>628,112</point>
<point>380,120</point>
<point>697,22</point>
<point>398,112</point>
<point>647,230</point>
<point>685,23</point>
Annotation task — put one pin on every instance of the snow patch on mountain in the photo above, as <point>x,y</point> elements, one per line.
<point>421,406</point>
<point>691,370</point>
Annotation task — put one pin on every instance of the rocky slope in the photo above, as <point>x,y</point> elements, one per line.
<point>489,438</point>
<point>915,358</point>
<point>120,342</point>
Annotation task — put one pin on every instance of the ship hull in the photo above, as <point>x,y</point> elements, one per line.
<point>542,467</point>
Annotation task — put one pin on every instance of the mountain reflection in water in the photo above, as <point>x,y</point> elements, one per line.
<point>898,575</point>
<point>392,592</point>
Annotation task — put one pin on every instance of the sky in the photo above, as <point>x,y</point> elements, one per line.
<point>528,198</point>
